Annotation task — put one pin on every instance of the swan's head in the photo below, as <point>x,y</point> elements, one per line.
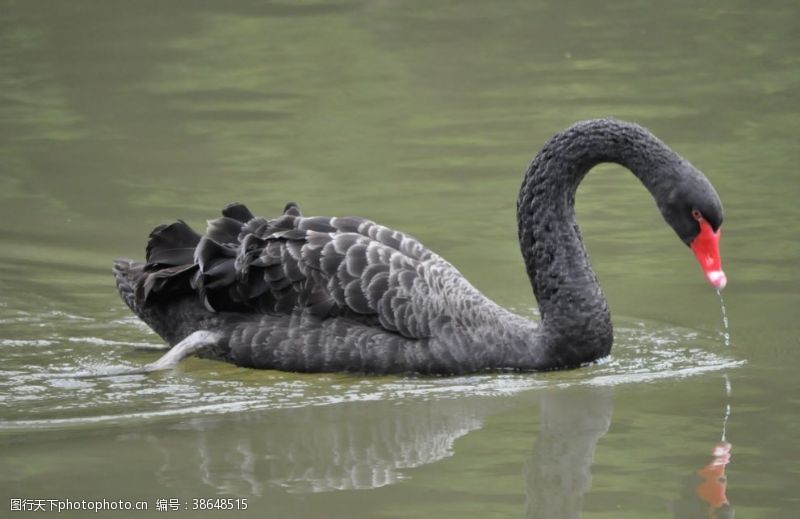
<point>693,209</point>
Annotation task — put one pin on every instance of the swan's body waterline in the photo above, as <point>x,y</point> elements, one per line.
<point>347,294</point>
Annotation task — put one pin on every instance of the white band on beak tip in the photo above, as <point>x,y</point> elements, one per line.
<point>717,278</point>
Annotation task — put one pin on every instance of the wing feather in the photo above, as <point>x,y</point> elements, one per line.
<point>342,266</point>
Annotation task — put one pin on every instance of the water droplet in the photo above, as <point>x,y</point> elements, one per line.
<point>727,407</point>
<point>726,334</point>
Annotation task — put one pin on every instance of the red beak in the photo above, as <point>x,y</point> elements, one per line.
<point>706,249</point>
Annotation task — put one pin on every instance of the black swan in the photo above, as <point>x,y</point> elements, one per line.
<point>317,294</point>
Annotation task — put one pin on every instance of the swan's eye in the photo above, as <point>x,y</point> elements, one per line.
<point>696,215</point>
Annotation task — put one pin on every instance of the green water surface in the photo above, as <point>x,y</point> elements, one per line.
<point>117,116</point>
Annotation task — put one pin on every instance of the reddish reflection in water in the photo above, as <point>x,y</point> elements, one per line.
<point>710,483</point>
<point>714,486</point>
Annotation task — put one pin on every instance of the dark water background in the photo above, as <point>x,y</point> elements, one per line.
<point>116,116</point>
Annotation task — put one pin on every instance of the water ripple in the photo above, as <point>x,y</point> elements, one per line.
<point>41,391</point>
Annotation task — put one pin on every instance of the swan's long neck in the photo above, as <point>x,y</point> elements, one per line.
<point>576,323</point>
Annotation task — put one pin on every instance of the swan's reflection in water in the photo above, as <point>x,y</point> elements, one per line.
<point>372,444</point>
<point>367,445</point>
<point>363,445</point>
<point>557,475</point>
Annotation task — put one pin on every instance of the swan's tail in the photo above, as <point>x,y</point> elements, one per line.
<point>128,274</point>
<point>170,255</point>
<point>160,290</point>
<point>173,321</point>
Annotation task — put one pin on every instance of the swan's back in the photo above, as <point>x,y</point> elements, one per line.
<point>329,268</point>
